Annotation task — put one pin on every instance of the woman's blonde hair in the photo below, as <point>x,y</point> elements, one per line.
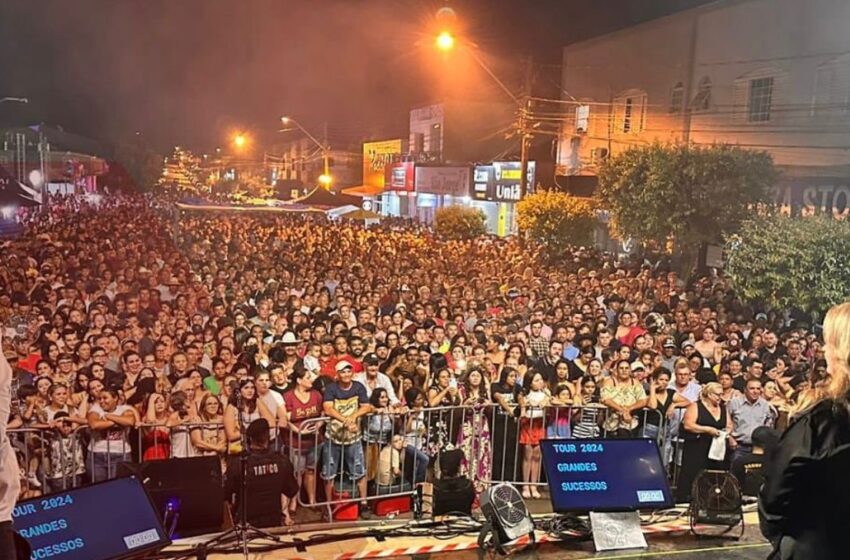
<point>708,388</point>
<point>836,335</point>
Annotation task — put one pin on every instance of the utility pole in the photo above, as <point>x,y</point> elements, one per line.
<point>524,125</point>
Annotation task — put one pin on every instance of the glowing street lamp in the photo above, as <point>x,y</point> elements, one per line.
<point>240,141</point>
<point>325,178</point>
<point>445,41</point>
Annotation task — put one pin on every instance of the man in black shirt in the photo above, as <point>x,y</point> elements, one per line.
<point>271,480</point>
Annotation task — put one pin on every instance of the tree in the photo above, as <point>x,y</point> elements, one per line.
<point>791,263</point>
<point>459,222</point>
<point>141,166</point>
<point>693,195</point>
<point>556,220</point>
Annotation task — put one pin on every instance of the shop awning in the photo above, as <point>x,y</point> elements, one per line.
<point>363,190</point>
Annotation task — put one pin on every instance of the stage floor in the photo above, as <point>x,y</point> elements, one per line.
<point>668,540</point>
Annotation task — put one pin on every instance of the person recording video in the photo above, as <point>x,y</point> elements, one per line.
<point>270,484</point>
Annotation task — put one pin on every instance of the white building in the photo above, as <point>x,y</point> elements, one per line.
<point>772,75</point>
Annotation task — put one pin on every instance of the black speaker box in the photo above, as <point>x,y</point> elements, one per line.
<point>194,485</point>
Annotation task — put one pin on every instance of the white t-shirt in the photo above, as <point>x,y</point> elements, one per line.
<point>274,402</point>
<point>112,440</point>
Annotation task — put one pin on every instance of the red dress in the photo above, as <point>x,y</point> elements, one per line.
<point>157,445</point>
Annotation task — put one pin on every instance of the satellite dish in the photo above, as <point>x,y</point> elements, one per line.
<point>36,178</point>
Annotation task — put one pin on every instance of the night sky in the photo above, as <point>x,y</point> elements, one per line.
<point>191,72</point>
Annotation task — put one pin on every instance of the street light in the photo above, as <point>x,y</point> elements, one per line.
<point>325,178</point>
<point>14,99</point>
<point>445,41</point>
<point>239,141</point>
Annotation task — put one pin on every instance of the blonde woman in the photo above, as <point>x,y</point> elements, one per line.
<point>704,420</point>
<point>804,505</point>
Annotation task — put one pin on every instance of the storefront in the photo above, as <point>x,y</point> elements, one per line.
<point>496,188</point>
<point>399,190</point>
<point>376,157</point>
<point>439,186</point>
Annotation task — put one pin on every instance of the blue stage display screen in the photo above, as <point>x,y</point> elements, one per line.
<point>605,475</point>
<point>103,521</point>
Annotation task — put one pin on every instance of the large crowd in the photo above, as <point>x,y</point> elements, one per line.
<point>138,336</point>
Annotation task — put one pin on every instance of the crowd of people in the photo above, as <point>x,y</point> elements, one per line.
<point>136,335</point>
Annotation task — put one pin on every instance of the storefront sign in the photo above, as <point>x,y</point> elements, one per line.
<point>376,157</point>
<point>399,176</point>
<point>807,195</point>
<point>452,181</point>
<point>501,181</point>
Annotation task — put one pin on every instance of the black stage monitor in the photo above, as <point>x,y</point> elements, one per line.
<point>605,475</point>
<point>103,521</point>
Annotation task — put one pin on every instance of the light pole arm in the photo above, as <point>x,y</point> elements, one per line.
<point>14,99</point>
<point>496,79</point>
<point>307,133</point>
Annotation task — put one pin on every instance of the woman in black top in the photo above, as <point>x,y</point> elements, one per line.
<point>804,505</point>
<point>662,399</point>
<point>704,420</point>
<point>504,426</point>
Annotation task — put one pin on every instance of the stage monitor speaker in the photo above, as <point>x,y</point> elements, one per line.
<point>190,489</point>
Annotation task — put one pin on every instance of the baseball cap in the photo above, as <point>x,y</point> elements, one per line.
<point>668,343</point>
<point>343,364</point>
<point>687,343</point>
<point>371,359</point>
<point>638,365</point>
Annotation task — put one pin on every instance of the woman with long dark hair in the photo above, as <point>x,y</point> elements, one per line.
<point>505,427</point>
<point>474,436</point>
<point>243,408</point>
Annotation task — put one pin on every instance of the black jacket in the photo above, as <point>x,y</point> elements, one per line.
<point>804,505</point>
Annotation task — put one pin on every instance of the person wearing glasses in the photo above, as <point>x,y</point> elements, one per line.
<point>704,420</point>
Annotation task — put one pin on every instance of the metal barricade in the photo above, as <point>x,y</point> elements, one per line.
<point>49,460</point>
<point>377,457</point>
<point>156,441</point>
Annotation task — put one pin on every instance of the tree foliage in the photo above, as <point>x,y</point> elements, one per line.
<point>459,222</point>
<point>143,166</point>
<point>793,263</point>
<point>556,219</point>
<point>692,194</point>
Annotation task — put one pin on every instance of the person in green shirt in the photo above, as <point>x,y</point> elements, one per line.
<point>212,383</point>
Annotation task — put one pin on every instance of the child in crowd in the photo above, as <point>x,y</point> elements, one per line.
<point>65,465</point>
<point>558,425</point>
<point>532,430</point>
<point>390,463</point>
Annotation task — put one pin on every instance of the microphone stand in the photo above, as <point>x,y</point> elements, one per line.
<point>242,531</point>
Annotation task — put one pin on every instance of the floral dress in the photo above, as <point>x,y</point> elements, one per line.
<point>474,440</point>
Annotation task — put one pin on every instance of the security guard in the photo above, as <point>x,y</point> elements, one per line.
<point>271,480</point>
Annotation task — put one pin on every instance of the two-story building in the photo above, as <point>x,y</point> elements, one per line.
<point>769,75</point>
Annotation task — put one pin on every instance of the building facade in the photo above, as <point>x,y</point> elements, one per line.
<point>770,75</point>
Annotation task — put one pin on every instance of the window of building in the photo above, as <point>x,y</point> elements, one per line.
<point>582,118</point>
<point>702,99</point>
<point>677,97</point>
<point>831,96</point>
<point>760,99</point>
<point>630,112</point>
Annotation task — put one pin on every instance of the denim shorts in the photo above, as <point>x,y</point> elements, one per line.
<point>351,455</point>
<point>305,459</point>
